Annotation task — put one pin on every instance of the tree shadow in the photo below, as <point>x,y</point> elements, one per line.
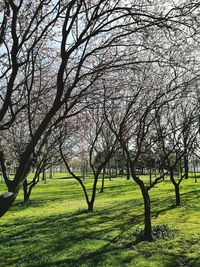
<point>77,238</point>
<point>72,234</point>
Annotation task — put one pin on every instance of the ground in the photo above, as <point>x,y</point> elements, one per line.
<point>54,229</point>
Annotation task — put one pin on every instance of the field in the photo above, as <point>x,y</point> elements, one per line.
<point>54,229</point>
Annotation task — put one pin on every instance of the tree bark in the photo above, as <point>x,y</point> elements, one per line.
<point>25,190</point>
<point>177,193</point>
<point>150,175</point>
<point>94,189</point>
<point>147,214</point>
<point>110,174</point>
<point>186,168</point>
<point>116,169</point>
<point>44,177</point>
<point>103,178</point>
<point>83,172</point>
<point>195,176</point>
<point>51,173</point>
<point>6,200</point>
<point>90,206</point>
<point>176,187</point>
<point>128,171</point>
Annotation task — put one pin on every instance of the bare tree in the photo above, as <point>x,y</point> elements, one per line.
<point>132,116</point>
<point>92,132</point>
<point>177,129</point>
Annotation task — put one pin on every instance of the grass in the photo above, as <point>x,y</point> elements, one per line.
<point>54,229</point>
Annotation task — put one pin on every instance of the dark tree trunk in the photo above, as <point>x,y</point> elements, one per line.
<point>44,178</point>
<point>176,187</point>
<point>103,178</point>
<point>110,174</point>
<point>116,169</point>
<point>94,189</point>
<point>163,173</point>
<point>177,193</point>
<point>90,206</point>
<point>6,200</point>
<point>150,175</point>
<point>127,171</point>
<point>186,168</point>
<point>25,190</point>
<point>51,173</point>
<point>147,214</point>
<point>195,175</point>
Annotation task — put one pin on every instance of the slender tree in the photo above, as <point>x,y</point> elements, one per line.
<point>93,133</point>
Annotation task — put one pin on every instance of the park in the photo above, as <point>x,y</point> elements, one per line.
<point>99,133</point>
<point>55,229</point>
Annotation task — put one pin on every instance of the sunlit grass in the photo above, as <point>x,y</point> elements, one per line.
<point>54,229</point>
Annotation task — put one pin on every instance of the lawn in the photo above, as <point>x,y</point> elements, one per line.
<point>54,229</point>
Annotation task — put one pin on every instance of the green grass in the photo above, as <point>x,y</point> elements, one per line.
<point>54,229</point>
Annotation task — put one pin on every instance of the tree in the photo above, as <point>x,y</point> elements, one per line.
<point>92,133</point>
<point>132,116</point>
<point>177,129</point>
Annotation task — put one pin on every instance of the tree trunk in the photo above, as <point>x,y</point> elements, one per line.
<point>51,173</point>
<point>90,206</point>
<point>6,200</point>
<point>161,170</point>
<point>110,174</point>
<point>44,178</point>
<point>103,178</point>
<point>128,171</point>
<point>94,189</point>
<point>195,175</point>
<point>176,187</point>
<point>177,193</point>
<point>147,214</point>
<point>116,169</point>
<point>150,175</point>
<point>25,190</point>
<point>186,168</point>
<point>83,172</point>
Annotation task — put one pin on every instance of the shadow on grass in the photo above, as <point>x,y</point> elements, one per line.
<point>103,238</point>
<point>66,193</point>
<point>78,237</point>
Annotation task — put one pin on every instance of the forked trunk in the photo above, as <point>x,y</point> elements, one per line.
<point>90,206</point>
<point>94,189</point>
<point>176,187</point>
